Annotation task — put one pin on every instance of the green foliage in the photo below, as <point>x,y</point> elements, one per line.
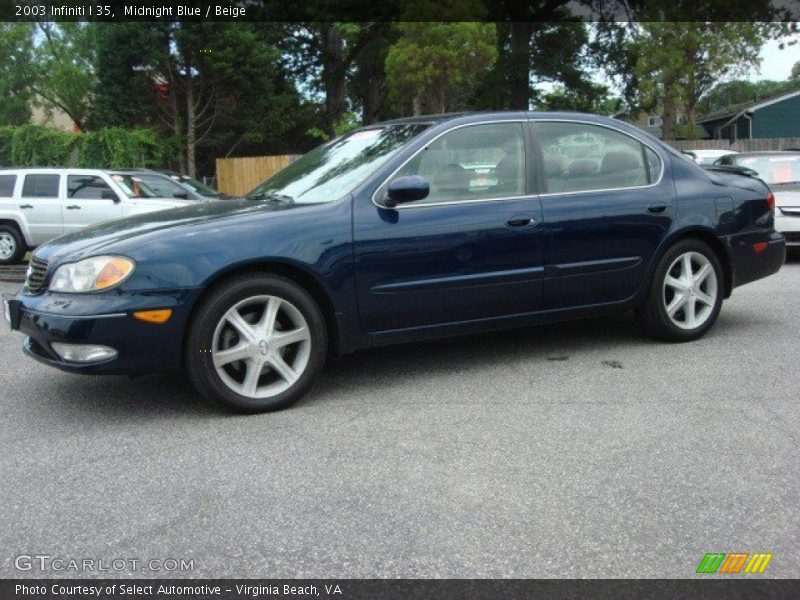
<point>65,76</point>
<point>592,98</point>
<point>33,145</point>
<point>119,148</point>
<point>16,69</point>
<point>436,67</point>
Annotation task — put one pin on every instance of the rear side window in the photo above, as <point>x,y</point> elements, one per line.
<point>87,187</point>
<point>7,183</point>
<point>40,186</point>
<point>579,157</point>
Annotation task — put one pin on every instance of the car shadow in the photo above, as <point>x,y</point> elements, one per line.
<point>170,395</point>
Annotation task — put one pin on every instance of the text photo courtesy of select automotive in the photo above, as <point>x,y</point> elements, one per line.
<point>347,304</point>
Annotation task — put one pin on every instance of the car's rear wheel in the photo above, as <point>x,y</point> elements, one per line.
<point>12,246</point>
<point>685,294</point>
<point>256,343</point>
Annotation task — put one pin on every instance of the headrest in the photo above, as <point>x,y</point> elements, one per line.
<point>555,165</point>
<point>583,167</point>
<point>617,161</point>
<point>451,177</point>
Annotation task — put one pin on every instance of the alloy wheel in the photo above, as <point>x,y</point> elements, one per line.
<point>8,245</point>
<point>690,290</point>
<point>261,346</point>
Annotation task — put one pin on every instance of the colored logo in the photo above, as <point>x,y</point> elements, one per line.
<point>720,562</point>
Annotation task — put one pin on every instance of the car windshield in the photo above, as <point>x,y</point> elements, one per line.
<point>773,169</point>
<point>200,188</point>
<point>133,186</point>
<point>333,170</point>
<point>164,186</point>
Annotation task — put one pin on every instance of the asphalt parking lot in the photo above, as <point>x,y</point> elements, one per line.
<point>573,450</point>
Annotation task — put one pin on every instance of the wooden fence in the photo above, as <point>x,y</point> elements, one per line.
<point>739,145</point>
<point>237,176</point>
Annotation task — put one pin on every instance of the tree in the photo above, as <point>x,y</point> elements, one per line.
<point>211,86</point>
<point>65,68</point>
<point>16,72</point>
<point>592,99</point>
<point>795,74</point>
<point>677,63</point>
<point>436,67</point>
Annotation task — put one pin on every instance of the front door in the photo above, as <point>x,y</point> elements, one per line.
<point>89,200</point>
<point>607,207</point>
<point>470,250</point>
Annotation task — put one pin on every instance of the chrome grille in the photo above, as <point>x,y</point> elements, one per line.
<point>37,269</point>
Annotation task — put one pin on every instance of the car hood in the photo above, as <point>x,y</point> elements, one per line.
<point>93,239</point>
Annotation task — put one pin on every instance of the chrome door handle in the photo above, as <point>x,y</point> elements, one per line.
<point>657,207</point>
<point>25,206</point>
<point>73,207</point>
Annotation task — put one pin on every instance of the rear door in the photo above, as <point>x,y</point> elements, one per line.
<point>607,206</point>
<point>40,203</point>
<point>89,199</point>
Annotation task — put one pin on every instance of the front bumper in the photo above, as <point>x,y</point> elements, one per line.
<point>103,320</point>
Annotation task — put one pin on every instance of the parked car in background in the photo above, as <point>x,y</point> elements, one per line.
<point>196,186</point>
<point>380,237</point>
<point>781,172</point>
<point>37,205</point>
<point>707,156</point>
<point>153,184</point>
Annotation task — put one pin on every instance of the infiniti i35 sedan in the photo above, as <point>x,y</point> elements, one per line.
<point>386,235</point>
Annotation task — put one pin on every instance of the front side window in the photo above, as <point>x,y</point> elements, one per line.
<point>41,186</point>
<point>579,157</point>
<point>336,168</point>
<point>87,187</point>
<point>476,162</point>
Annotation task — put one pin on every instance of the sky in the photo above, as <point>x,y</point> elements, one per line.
<point>776,63</point>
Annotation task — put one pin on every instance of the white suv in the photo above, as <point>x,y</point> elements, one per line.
<point>37,205</point>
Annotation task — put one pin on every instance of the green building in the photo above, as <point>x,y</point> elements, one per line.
<point>775,117</point>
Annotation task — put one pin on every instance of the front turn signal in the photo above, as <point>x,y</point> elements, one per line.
<point>153,316</point>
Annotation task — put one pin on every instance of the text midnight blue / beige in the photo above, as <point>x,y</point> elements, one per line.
<point>159,12</point>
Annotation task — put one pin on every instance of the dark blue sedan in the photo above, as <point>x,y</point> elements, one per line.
<point>407,230</point>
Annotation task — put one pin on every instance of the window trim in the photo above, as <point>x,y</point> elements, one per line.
<point>543,179</point>
<point>527,148</point>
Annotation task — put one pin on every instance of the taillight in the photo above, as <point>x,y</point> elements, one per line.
<point>771,201</point>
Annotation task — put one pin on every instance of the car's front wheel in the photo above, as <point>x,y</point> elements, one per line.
<point>256,343</point>
<point>685,295</point>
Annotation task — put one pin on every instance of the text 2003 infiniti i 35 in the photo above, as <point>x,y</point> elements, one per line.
<point>396,232</point>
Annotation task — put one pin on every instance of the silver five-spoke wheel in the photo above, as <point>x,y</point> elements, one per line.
<point>690,290</point>
<point>8,245</point>
<point>261,346</point>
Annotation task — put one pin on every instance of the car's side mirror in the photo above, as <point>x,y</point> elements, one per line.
<point>183,195</point>
<point>109,195</point>
<point>406,189</point>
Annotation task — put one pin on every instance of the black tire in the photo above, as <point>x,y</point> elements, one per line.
<point>11,234</point>
<point>198,357</point>
<point>653,317</point>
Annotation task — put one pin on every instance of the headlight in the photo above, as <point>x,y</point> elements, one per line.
<point>92,274</point>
